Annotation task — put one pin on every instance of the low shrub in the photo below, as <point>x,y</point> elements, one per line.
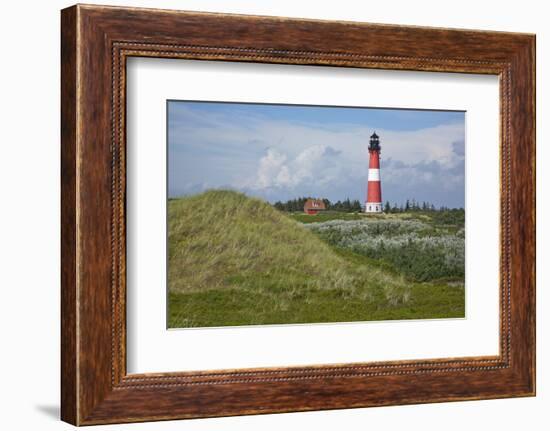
<point>419,250</point>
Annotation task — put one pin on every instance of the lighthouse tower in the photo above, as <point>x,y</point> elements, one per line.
<point>374,189</point>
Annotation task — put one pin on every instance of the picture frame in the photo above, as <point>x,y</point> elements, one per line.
<point>96,42</point>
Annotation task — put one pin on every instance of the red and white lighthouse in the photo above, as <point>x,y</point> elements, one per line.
<point>374,189</point>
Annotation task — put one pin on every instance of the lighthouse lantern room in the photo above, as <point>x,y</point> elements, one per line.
<point>373,203</point>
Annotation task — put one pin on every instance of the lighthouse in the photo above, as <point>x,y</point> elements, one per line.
<point>374,189</point>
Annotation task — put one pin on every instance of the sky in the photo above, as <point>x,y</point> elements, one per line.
<point>281,152</point>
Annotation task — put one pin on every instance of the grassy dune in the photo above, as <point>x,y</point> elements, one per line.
<point>235,260</point>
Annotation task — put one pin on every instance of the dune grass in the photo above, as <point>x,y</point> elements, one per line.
<point>235,260</point>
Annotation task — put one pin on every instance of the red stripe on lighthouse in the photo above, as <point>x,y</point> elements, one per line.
<point>374,160</point>
<point>374,192</point>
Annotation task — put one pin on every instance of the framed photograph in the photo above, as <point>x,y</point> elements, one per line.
<point>263,214</point>
<point>276,214</point>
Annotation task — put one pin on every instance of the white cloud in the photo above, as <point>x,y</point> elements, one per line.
<point>272,170</point>
<point>281,171</point>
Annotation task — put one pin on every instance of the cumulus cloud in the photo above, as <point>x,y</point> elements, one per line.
<point>312,165</point>
<point>272,170</point>
<point>458,148</point>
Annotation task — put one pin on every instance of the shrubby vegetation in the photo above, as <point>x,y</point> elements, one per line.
<point>421,250</point>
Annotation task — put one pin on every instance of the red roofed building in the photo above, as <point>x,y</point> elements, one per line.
<point>313,206</point>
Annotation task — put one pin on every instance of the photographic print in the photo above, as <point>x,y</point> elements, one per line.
<point>292,214</point>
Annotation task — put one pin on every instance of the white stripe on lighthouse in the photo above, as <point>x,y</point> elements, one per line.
<point>374,174</point>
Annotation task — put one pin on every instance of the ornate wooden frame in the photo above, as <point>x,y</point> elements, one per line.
<point>95,42</point>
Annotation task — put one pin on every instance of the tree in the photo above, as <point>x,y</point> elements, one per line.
<point>347,205</point>
<point>356,206</point>
<point>387,208</point>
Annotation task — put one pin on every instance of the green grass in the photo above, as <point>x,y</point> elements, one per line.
<point>235,260</point>
<point>323,216</point>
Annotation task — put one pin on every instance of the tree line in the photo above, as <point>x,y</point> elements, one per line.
<point>293,205</point>
<point>349,205</point>
<point>411,205</point>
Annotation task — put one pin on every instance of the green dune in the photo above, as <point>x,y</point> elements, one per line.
<point>235,260</point>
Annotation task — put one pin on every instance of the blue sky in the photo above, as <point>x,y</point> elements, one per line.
<point>279,152</point>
